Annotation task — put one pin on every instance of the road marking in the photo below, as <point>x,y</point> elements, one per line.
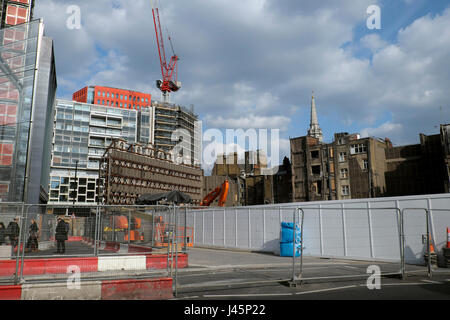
<point>247,295</point>
<point>431,281</point>
<point>402,284</point>
<point>330,289</point>
<point>192,297</point>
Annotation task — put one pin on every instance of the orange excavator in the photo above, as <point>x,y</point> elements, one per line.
<point>120,223</point>
<point>221,192</point>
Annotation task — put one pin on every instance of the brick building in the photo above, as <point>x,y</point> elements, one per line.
<point>419,168</point>
<point>113,97</point>
<point>348,168</point>
<point>14,12</point>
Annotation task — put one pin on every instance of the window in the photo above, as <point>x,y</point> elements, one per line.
<point>121,96</point>
<point>365,165</point>
<point>344,173</point>
<point>103,93</point>
<point>107,95</point>
<point>345,190</point>
<point>315,154</point>
<point>315,170</point>
<point>6,153</point>
<point>358,148</point>
<point>341,141</point>
<point>342,156</point>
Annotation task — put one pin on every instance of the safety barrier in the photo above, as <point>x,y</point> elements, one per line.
<point>395,235</point>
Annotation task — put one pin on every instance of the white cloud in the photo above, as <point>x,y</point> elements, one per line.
<point>385,130</point>
<point>250,121</point>
<point>247,64</point>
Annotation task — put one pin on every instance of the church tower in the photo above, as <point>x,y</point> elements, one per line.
<point>314,129</point>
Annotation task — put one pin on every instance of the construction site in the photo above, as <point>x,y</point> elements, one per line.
<point>139,220</point>
<point>178,251</point>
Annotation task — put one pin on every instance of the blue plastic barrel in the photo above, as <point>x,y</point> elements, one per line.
<point>287,230</point>
<point>286,249</point>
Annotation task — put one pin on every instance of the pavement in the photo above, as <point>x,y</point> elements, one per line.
<point>231,275</point>
<point>216,274</point>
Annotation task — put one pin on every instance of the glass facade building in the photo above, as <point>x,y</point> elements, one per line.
<point>82,132</point>
<point>27,95</point>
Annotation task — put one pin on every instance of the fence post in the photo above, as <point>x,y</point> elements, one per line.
<point>21,232</point>
<point>153,227</point>
<point>402,244</point>
<point>213,233</point>
<point>264,227</point>
<point>293,247</point>
<point>24,243</point>
<point>344,229</point>
<point>185,231</point>
<point>235,228</point>
<point>96,230</point>
<point>249,230</point>
<point>301,242</point>
<point>129,226</point>
<point>369,217</point>
<point>428,243</point>
<point>321,231</point>
<point>224,229</point>
<point>194,238</point>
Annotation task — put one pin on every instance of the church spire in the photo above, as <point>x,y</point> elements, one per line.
<point>314,129</point>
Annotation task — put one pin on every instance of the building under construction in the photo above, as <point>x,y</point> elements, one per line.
<point>128,171</point>
<point>178,130</point>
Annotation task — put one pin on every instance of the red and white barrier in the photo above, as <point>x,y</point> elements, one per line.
<point>128,289</point>
<point>117,247</point>
<point>448,238</point>
<point>90,264</point>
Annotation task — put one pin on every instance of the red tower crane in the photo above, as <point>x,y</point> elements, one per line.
<point>169,70</point>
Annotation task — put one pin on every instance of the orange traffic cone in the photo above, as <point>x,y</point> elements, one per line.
<point>431,245</point>
<point>448,238</point>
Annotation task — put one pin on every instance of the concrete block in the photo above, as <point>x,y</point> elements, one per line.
<point>122,263</point>
<point>90,290</point>
<point>5,252</point>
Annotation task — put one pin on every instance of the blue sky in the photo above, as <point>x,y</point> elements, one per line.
<point>254,63</point>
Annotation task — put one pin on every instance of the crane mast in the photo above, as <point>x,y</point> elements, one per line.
<point>169,70</point>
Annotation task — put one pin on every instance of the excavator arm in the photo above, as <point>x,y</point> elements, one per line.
<point>219,192</point>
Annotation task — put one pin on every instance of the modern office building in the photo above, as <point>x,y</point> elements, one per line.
<point>178,131</point>
<point>27,95</point>
<point>14,12</point>
<point>113,97</point>
<point>82,133</point>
